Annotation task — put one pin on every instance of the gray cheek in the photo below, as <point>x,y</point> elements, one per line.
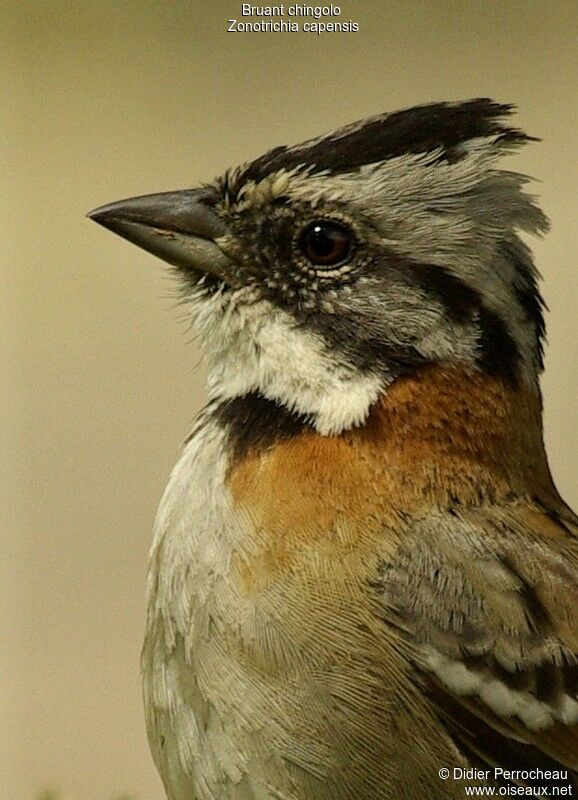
<point>377,325</point>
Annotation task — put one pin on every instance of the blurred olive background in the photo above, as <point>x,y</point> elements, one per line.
<point>100,381</point>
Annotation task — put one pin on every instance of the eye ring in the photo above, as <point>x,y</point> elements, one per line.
<point>326,242</point>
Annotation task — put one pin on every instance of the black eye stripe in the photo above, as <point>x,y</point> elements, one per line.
<point>326,243</point>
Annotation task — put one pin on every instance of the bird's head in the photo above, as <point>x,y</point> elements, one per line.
<point>319,274</point>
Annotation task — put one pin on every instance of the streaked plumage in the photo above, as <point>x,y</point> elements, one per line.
<point>361,570</point>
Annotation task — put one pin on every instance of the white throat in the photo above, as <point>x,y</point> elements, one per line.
<point>252,345</point>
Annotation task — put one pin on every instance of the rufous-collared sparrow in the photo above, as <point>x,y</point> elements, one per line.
<point>362,574</point>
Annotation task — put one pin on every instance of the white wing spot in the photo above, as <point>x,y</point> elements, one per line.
<point>499,698</point>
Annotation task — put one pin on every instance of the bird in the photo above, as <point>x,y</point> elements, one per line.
<point>363,582</point>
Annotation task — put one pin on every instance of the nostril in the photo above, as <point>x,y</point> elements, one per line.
<point>207,195</point>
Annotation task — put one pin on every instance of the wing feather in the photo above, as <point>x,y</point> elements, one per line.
<point>488,600</point>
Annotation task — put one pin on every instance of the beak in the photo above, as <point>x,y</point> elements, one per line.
<point>179,227</point>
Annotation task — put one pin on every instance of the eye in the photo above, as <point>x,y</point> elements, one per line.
<point>326,243</point>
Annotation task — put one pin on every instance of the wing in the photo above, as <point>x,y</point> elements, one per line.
<point>488,599</point>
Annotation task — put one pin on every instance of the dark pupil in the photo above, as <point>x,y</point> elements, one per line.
<point>322,243</point>
<point>326,243</point>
